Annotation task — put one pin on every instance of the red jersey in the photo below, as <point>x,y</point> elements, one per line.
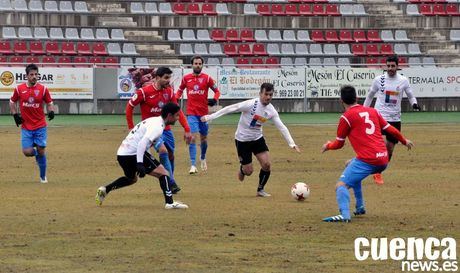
<point>31,104</point>
<point>151,101</point>
<point>363,127</point>
<point>197,92</point>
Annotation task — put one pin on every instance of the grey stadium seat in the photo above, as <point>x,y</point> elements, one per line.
<point>343,49</point>
<point>5,5</point>
<point>400,49</point>
<point>151,8</point>
<point>71,33</point>
<point>414,61</point>
<point>129,49</point>
<point>274,35</point>
<point>141,62</point>
<point>228,62</point>
<point>329,49</point>
<point>185,49</point>
<point>81,7</point>
<point>87,34</point>
<point>117,34</point>
<point>346,10</point>
<point>358,9</point>
<point>136,8</point>
<point>428,62</point>
<point>329,62</point>
<point>20,5</point>
<point>203,35</point>
<point>215,49</point>
<point>65,6</point>
<point>300,61</point>
<point>213,61</point>
<point>315,62</point>
<point>174,35</point>
<point>401,35</point>
<point>113,49</point>
<point>315,49</point>
<point>286,62</point>
<point>412,10</point>
<point>413,49</point>
<point>454,35</point>
<point>188,35</point>
<point>301,49</point>
<point>303,36</point>
<point>25,33</point>
<point>260,35</point>
<point>222,9</point>
<point>9,33</point>
<point>387,36</point>
<point>287,49</point>
<point>249,9</point>
<point>128,61</point>
<point>56,33</point>
<point>273,49</point>
<point>35,5</point>
<point>289,36</point>
<point>200,49</point>
<point>165,8</point>
<point>40,33</point>
<point>343,62</point>
<point>102,34</point>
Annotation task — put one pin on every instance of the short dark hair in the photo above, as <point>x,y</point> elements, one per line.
<point>393,58</point>
<point>31,67</point>
<point>348,94</point>
<point>169,108</point>
<point>197,57</point>
<point>267,87</point>
<point>161,71</point>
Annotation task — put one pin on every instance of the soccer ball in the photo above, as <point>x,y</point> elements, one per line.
<point>300,191</point>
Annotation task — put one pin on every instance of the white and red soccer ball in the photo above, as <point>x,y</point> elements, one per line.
<point>300,191</point>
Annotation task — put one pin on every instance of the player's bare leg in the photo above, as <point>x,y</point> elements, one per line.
<point>245,170</point>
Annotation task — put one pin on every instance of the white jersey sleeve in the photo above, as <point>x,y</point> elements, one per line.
<point>284,130</point>
<point>237,107</point>
<point>372,91</point>
<point>408,90</point>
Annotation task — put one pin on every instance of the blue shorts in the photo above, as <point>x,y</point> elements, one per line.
<point>31,137</point>
<point>196,125</point>
<point>168,139</point>
<point>357,170</point>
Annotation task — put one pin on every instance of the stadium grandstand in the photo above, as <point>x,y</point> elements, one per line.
<point>257,34</point>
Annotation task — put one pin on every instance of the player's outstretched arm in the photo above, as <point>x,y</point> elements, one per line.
<point>224,111</point>
<point>129,116</point>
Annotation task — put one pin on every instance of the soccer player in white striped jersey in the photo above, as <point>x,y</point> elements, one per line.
<point>249,138</point>
<point>135,160</point>
<point>390,88</point>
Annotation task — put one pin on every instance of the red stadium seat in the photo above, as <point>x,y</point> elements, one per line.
<point>64,61</point>
<point>263,9</point>
<point>209,9</point>
<point>20,47</point>
<point>291,10</point>
<point>438,9</point>
<point>3,59</point>
<point>48,60</point>
<point>320,1</point>
<point>402,62</point>
<point>95,60</point>
<point>373,36</point>
<point>257,63</point>
<point>83,48</point>
<point>332,10</point>
<point>36,48</point>
<point>99,49</point>
<point>359,36</point>
<point>259,50</point>
<point>305,10</point>
<point>295,1</point>
<point>425,9</point>
<point>272,62</point>
<point>318,10</point>
<point>194,9</point>
<point>218,35</point>
<point>230,49</point>
<point>415,1</point>
<point>16,60</point>
<point>372,49</point>
<point>179,8</point>
<point>80,61</point>
<point>358,49</point>
<point>242,62</point>
<point>331,36</point>
<point>247,35</point>
<point>5,48</point>
<point>277,10</point>
<point>452,9</point>
<point>52,48</point>
<point>372,62</point>
<point>232,35</point>
<point>317,36</point>
<point>308,1</point>
<point>68,48</point>
<point>345,36</point>
<point>244,50</point>
<point>111,62</point>
<point>386,49</point>
<point>32,59</point>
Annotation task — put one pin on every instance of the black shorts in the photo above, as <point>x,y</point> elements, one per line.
<point>128,164</point>
<point>390,138</point>
<point>247,148</point>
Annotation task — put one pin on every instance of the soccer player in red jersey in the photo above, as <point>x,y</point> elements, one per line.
<point>197,85</point>
<point>362,125</point>
<point>31,96</point>
<point>151,99</point>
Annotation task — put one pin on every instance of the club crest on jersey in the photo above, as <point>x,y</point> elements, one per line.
<point>36,92</point>
<point>166,96</point>
<point>31,100</point>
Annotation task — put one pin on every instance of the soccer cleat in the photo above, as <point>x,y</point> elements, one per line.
<point>43,180</point>
<point>360,211</point>
<point>176,205</point>
<point>337,218</point>
<point>100,195</point>
<point>204,166</point>
<point>193,170</point>
<point>378,179</point>
<point>240,176</point>
<point>263,193</point>
<point>175,188</point>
